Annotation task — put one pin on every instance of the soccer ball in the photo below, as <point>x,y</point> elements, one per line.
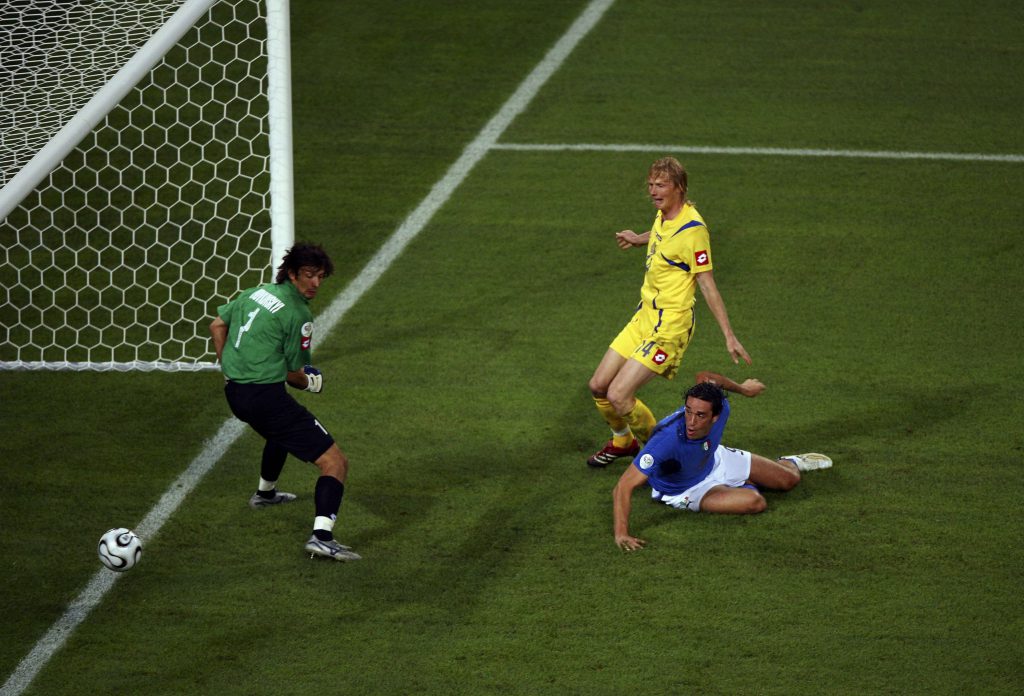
<point>119,549</point>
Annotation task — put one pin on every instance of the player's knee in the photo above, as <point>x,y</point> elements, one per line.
<point>755,504</point>
<point>333,463</point>
<point>789,478</point>
<point>732,501</point>
<point>793,480</point>
<point>622,401</point>
<point>599,386</point>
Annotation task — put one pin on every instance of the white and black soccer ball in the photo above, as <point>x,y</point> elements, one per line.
<point>119,549</point>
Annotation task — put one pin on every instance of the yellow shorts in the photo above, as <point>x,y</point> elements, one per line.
<point>656,339</point>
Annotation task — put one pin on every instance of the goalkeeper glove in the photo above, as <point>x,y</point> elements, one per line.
<point>314,380</point>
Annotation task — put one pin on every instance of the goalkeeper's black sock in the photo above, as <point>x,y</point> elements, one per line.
<point>327,499</point>
<point>273,460</point>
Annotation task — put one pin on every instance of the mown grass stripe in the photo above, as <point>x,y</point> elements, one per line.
<point>760,151</point>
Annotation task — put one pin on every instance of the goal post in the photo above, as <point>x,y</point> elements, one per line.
<point>146,175</point>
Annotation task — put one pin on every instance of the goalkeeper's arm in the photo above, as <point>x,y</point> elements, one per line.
<point>308,379</point>
<point>219,333</point>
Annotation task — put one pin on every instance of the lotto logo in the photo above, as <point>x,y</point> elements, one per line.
<point>659,357</point>
<point>702,258</point>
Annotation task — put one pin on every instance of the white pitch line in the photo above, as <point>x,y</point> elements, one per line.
<point>232,429</point>
<point>763,151</point>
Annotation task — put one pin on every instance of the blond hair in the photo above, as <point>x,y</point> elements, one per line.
<point>671,169</point>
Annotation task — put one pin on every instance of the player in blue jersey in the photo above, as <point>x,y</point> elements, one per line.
<point>687,467</point>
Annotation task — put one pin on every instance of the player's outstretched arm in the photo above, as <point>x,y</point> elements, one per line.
<point>627,239</point>
<point>716,304</point>
<point>749,387</point>
<point>622,500</point>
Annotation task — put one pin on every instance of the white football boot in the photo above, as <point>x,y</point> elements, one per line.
<point>330,549</point>
<point>810,461</point>
<point>258,501</point>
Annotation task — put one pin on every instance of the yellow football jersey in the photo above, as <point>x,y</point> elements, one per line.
<point>677,251</point>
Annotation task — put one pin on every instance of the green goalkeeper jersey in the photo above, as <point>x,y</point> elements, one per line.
<point>270,332</point>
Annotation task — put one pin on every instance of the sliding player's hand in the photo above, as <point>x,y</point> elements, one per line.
<point>751,387</point>
<point>629,543</point>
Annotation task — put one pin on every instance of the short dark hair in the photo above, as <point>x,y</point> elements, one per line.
<point>707,391</point>
<point>302,255</point>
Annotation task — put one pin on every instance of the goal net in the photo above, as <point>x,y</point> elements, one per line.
<point>145,166</point>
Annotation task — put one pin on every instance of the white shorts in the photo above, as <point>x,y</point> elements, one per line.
<point>732,468</point>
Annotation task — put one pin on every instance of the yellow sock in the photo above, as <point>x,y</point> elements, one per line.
<point>616,422</point>
<point>641,421</point>
<point>622,441</point>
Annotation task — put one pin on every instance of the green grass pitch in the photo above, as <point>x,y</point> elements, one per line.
<point>879,298</point>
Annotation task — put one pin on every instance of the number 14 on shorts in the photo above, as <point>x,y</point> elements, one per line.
<point>645,349</point>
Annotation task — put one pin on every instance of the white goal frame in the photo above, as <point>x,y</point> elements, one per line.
<point>188,349</point>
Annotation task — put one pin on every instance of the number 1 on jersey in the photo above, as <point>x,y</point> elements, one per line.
<point>243,329</point>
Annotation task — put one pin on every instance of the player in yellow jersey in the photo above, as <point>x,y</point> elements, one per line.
<point>653,342</point>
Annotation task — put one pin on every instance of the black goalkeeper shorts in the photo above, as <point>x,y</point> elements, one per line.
<point>272,412</point>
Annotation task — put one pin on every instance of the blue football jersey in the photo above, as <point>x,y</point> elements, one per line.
<point>671,462</point>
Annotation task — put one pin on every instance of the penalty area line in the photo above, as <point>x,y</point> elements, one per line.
<point>760,151</point>
<point>232,429</point>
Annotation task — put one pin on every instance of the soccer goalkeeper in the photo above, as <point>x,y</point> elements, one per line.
<point>263,339</point>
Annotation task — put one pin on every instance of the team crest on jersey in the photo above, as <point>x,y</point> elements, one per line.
<point>706,446</point>
<point>702,257</point>
<point>660,357</point>
<point>646,461</point>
